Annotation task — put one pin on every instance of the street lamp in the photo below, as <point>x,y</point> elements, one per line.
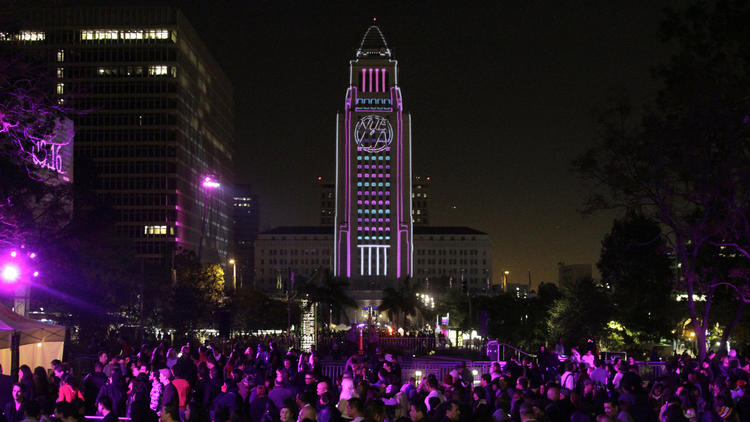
<point>505,280</point>
<point>234,273</point>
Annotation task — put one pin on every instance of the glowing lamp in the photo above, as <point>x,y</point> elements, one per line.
<point>210,183</point>
<point>13,254</point>
<point>10,273</point>
<point>32,255</point>
<point>35,274</point>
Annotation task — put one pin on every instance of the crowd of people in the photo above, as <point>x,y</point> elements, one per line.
<point>265,382</point>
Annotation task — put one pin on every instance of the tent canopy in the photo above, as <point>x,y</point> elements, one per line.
<point>31,330</point>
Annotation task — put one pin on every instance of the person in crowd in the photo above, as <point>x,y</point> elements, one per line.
<point>13,411</point>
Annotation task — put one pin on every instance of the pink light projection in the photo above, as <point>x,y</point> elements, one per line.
<point>210,183</point>
<point>10,273</point>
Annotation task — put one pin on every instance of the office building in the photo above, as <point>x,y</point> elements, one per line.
<point>327,198</point>
<point>245,228</point>
<point>420,199</point>
<point>159,121</point>
<point>444,258</point>
<point>574,272</point>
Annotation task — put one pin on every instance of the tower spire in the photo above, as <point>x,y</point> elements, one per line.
<point>373,43</point>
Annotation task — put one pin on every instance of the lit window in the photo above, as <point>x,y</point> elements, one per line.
<point>60,88</point>
<point>87,35</point>
<point>157,70</point>
<point>60,72</point>
<point>60,55</point>
<point>156,230</point>
<point>31,36</point>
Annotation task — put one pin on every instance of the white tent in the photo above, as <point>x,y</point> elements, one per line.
<point>39,344</point>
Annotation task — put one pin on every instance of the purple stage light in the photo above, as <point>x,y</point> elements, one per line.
<point>210,183</point>
<point>13,254</point>
<point>32,255</point>
<point>35,274</point>
<point>10,273</point>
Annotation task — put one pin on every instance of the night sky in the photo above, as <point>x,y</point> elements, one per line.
<point>502,97</point>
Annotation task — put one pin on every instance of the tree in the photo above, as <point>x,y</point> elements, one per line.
<point>684,162</point>
<point>402,302</point>
<point>31,118</point>
<point>581,313</point>
<point>324,289</point>
<point>637,267</point>
<point>197,297</point>
<point>252,309</point>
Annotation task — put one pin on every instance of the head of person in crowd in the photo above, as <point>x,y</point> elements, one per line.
<point>375,410</point>
<point>169,413</point>
<point>418,411</point>
<point>287,414</point>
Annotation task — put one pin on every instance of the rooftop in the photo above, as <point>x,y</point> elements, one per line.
<point>418,230</point>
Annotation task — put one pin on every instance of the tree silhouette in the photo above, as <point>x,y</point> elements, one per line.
<point>402,302</point>
<point>684,161</point>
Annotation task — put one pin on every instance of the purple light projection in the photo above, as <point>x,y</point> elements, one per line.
<point>17,268</point>
<point>210,183</point>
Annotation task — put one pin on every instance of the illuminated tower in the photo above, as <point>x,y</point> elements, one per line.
<point>373,225</point>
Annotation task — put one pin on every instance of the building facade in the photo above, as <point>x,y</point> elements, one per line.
<point>327,198</point>
<point>445,258</point>
<point>420,198</point>
<point>373,239</point>
<point>159,120</point>
<point>245,228</point>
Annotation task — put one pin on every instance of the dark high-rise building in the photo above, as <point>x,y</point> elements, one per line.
<point>327,197</point>
<point>245,227</point>
<point>373,225</point>
<point>160,120</point>
<point>420,199</point>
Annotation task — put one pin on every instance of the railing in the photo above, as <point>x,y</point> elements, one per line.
<point>419,368</point>
<point>512,352</point>
<point>398,345</point>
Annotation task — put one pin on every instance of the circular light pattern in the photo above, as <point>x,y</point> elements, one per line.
<point>373,133</point>
<point>10,273</point>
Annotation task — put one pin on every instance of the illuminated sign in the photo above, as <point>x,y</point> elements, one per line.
<point>373,133</point>
<point>53,155</point>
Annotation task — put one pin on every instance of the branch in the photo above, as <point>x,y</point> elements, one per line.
<point>737,247</point>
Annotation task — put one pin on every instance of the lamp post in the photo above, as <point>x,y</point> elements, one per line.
<point>505,280</point>
<point>209,184</point>
<point>234,273</point>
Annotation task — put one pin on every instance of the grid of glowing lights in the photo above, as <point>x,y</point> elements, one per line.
<point>23,36</point>
<point>132,34</point>
<point>374,196</point>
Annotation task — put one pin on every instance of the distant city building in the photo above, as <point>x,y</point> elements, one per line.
<point>245,227</point>
<point>281,251</point>
<point>160,119</point>
<point>373,237</point>
<point>451,256</point>
<point>445,257</point>
<point>574,272</point>
<point>420,198</point>
<point>327,198</point>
